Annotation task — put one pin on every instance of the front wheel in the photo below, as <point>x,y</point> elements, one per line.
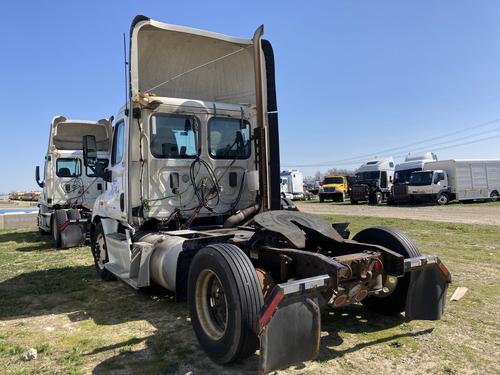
<point>442,199</point>
<point>225,298</point>
<point>100,253</point>
<point>392,300</point>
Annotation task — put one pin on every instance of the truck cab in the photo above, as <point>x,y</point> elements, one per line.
<point>334,187</point>
<point>428,185</point>
<point>292,184</point>
<point>70,189</point>
<point>373,181</point>
<point>412,163</point>
<point>193,205</point>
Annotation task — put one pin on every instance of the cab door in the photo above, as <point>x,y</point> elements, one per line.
<point>116,202</point>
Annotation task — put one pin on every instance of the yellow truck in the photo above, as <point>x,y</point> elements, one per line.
<point>335,188</point>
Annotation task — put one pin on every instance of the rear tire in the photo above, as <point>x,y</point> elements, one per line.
<point>225,299</point>
<point>393,239</point>
<point>100,253</point>
<point>494,195</point>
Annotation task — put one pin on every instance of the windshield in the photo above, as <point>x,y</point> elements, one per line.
<point>333,180</point>
<point>421,178</point>
<point>228,138</point>
<point>403,176</point>
<point>363,176</point>
<point>173,136</point>
<point>68,167</point>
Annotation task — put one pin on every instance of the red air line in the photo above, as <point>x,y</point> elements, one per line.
<point>64,225</point>
<point>268,312</point>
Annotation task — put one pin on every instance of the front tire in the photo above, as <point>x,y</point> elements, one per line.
<point>225,298</point>
<point>394,301</point>
<point>100,253</point>
<point>442,199</point>
<point>58,218</point>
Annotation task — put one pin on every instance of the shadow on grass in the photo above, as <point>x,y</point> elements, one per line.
<point>80,295</point>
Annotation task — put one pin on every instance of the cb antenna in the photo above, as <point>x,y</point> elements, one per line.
<point>126,72</point>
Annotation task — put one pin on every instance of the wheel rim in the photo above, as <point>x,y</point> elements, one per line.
<point>494,196</point>
<point>211,304</point>
<point>100,251</point>
<point>442,199</point>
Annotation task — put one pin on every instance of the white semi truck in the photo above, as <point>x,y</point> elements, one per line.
<point>463,180</point>
<point>292,184</point>
<point>69,189</point>
<point>373,181</point>
<point>402,172</point>
<point>193,205</point>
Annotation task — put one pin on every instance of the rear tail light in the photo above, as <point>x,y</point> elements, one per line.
<point>340,300</point>
<point>361,295</point>
<point>377,265</point>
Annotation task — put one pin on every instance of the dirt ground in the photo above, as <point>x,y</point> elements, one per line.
<point>485,213</point>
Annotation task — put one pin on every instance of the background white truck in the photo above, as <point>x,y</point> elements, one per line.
<point>463,180</point>
<point>292,184</point>
<point>70,189</point>
<point>373,181</point>
<point>402,173</point>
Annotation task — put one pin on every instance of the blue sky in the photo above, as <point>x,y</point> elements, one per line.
<point>353,77</point>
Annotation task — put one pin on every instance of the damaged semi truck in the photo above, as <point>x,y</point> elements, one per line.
<point>69,191</point>
<point>193,205</point>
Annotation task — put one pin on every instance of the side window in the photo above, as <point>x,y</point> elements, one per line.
<point>118,143</point>
<point>173,137</point>
<point>228,138</point>
<point>68,167</point>
<point>441,176</point>
<point>101,164</point>
<point>391,164</point>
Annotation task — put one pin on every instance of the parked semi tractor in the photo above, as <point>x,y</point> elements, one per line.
<point>193,205</point>
<point>292,184</point>
<point>463,180</point>
<point>373,181</point>
<point>334,187</point>
<point>413,163</point>
<point>69,190</point>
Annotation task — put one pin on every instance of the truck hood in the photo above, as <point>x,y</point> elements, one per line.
<point>180,62</point>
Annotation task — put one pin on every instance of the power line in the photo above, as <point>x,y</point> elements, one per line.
<point>353,160</point>
<point>401,155</point>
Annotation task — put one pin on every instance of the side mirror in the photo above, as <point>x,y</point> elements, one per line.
<point>37,177</point>
<point>89,151</point>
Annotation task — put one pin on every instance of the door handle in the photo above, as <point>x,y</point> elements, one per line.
<point>122,201</point>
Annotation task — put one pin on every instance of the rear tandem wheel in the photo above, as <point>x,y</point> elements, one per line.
<point>224,297</point>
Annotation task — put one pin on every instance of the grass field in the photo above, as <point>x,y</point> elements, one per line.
<point>53,301</point>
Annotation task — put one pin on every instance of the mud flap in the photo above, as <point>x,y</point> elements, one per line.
<point>290,326</point>
<point>72,233</point>
<point>426,295</point>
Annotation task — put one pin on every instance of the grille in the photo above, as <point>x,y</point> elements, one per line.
<point>329,189</point>
<point>400,190</point>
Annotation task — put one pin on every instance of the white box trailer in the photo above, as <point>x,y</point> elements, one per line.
<point>457,179</point>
